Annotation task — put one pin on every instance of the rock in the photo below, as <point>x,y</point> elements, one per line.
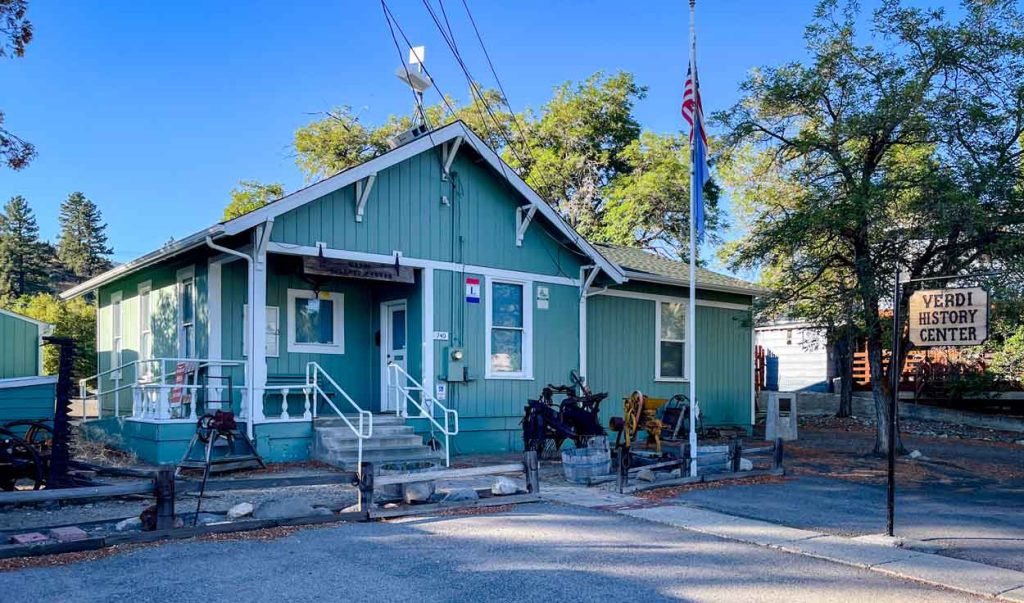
<point>351,509</point>
<point>675,474</point>
<point>1019,442</point>
<point>132,523</point>
<point>68,534</point>
<point>417,492</point>
<point>646,475</point>
<point>322,511</point>
<point>207,518</point>
<point>283,508</point>
<point>460,495</point>
<point>746,465</point>
<point>916,454</point>
<point>503,486</point>
<point>240,510</point>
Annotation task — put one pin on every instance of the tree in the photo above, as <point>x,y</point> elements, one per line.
<point>82,246</point>
<point>584,152</point>
<point>24,263</point>
<point>15,34</point>
<point>75,319</point>
<point>251,195</point>
<point>902,150</point>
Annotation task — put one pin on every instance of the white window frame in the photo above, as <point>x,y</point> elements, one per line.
<point>527,370</point>
<point>273,346</point>
<point>116,332</point>
<point>338,347</point>
<point>186,275</point>
<point>658,339</point>
<point>145,309</point>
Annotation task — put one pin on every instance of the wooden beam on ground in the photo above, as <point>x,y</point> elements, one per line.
<point>435,508</point>
<point>27,497</point>
<point>259,483</point>
<point>429,476</point>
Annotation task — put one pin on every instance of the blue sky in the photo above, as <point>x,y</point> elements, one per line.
<point>156,109</point>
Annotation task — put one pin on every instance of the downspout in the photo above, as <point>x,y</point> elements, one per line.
<point>251,326</point>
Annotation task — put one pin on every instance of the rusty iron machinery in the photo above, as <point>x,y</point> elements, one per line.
<point>639,413</point>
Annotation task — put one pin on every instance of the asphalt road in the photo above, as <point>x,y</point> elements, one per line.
<point>979,524</point>
<point>539,552</point>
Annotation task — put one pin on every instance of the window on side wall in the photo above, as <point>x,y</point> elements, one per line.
<point>145,330</point>
<point>187,312</point>
<point>272,332</point>
<point>117,340</point>
<point>671,335</point>
<point>316,323</point>
<point>509,338</point>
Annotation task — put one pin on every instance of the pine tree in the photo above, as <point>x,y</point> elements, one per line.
<point>23,257</point>
<point>82,246</point>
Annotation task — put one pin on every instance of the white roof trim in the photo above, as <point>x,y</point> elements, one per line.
<point>38,323</point>
<point>666,280</point>
<point>26,381</point>
<point>351,176</point>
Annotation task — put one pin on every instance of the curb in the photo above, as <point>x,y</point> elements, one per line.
<point>869,553</point>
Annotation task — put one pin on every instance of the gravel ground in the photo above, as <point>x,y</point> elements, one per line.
<point>539,552</point>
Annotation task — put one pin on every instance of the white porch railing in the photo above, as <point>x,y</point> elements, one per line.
<point>401,384</point>
<point>149,385</point>
<point>314,374</point>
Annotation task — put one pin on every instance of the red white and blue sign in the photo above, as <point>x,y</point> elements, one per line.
<point>472,290</point>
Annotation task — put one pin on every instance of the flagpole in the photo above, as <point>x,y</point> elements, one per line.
<point>691,330</point>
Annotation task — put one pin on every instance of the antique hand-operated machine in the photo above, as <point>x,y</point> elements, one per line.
<point>575,418</point>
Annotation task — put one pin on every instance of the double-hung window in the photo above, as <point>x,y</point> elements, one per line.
<point>116,341</point>
<point>316,322</point>
<point>670,352</point>
<point>145,330</point>
<point>509,337</point>
<point>187,312</point>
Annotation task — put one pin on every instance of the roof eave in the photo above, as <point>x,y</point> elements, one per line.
<point>188,243</point>
<point>667,280</point>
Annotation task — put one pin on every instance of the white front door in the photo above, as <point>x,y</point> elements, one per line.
<point>393,348</point>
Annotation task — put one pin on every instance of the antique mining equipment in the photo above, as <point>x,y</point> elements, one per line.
<point>639,413</point>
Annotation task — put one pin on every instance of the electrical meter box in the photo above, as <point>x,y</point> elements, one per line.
<point>454,364</point>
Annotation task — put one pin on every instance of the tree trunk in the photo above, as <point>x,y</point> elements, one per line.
<point>844,369</point>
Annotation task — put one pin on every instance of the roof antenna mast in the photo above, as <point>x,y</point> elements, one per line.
<point>414,77</point>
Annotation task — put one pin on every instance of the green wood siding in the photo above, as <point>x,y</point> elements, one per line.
<point>27,402</point>
<point>621,351</point>
<point>19,347</point>
<point>404,213</point>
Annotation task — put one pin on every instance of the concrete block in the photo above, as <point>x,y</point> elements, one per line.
<point>68,534</point>
<point>848,550</point>
<point>1016,595</point>
<point>722,525</point>
<point>29,538</point>
<point>976,578</point>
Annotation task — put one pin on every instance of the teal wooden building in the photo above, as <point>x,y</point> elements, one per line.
<point>427,290</point>
<point>25,393</point>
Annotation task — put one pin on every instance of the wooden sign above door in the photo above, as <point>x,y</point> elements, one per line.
<point>373,271</point>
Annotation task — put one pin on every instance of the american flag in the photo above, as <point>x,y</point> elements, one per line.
<point>693,113</point>
<point>692,104</point>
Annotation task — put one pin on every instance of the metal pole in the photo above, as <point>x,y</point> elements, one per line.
<point>691,318</point>
<point>894,369</point>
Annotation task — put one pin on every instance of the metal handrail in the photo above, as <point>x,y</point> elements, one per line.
<point>313,372</point>
<point>434,403</point>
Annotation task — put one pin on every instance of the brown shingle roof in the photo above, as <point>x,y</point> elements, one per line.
<point>644,263</point>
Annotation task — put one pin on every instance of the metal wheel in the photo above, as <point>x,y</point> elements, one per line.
<point>39,435</point>
<point>20,464</point>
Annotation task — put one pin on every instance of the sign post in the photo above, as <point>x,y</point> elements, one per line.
<point>955,316</point>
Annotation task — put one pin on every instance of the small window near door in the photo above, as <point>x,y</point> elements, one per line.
<point>145,331</point>
<point>117,343</point>
<point>316,322</point>
<point>187,312</point>
<point>671,350</point>
<point>398,330</point>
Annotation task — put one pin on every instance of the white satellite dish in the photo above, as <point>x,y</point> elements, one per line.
<point>413,74</point>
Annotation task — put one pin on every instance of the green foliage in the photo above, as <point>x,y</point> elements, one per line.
<point>584,152</point>
<point>251,195</point>
<point>15,33</point>
<point>905,147</point>
<point>82,247</point>
<point>25,261</point>
<point>1008,359</point>
<point>75,319</point>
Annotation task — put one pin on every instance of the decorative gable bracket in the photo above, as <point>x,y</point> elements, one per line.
<point>363,188</point>
<point>523,218</point>
<point>448,152</point>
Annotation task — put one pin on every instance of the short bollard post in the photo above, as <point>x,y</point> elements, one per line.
<point>365,499</point>
<point>532,467</point>
<point>164,491</point>
<point>777,456</point>
<point>737,454</point>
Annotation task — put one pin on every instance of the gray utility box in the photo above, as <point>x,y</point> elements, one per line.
<point>781,419</point>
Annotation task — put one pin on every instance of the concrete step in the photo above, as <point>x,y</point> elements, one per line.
<point>334,420</point>
<point>347,460</point>
<point>345,432</point>
<point>332,443</point>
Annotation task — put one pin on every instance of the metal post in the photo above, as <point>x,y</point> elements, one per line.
<point>737,454</point>
<point>532,466</point>
<point>164,490</point>
<point>365,485</point>
<point>894,369</point>
<point>777,454</point>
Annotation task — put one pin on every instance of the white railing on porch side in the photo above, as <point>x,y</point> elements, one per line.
<point>148,386</point>
<point>314,372</point>
<point>284,391</point>
<point>397,384</point>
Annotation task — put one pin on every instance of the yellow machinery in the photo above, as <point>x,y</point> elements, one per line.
<point>640,413</point>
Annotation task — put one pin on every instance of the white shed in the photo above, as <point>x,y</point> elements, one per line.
<point>805,360</point>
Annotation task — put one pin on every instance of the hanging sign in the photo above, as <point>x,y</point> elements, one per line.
<point>472,290</point>
<point>949,317</point>
<point>393,273</point>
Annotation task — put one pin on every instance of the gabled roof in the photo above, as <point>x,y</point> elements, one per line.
<point>641,265</point>
<point>348,177</point>
<point>28,319</point>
